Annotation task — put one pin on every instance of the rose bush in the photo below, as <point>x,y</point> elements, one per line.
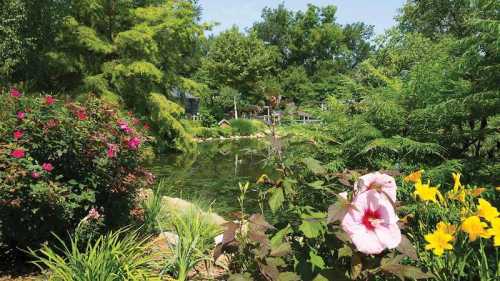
<point>58,160</point>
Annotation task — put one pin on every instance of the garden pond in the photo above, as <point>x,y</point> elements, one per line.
<point>210,176</point>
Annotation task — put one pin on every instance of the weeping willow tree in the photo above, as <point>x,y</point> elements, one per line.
<point>131,53</point>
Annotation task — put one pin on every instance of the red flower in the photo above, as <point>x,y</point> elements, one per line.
<point>18,135</point>
<point>49,100</point>
<point>15,93</point>
<point>146,126</point>
<point>134,143</point>
<point>21,115</point>
<point>47,167</point>
<point>17,153</point>
<point>81,114</point>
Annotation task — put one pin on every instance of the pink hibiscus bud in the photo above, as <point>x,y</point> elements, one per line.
<point>112,150</point>
<point>15,93</point>
<point>47,167</point>
<point>337,211</point>
<point>146,126</point>
<point>372,223</point>
<point>93,214</point>
<point>18,134</point>
<point>379,182</point>
<point>134,143</point>
<point>21,115</point>
<point>17,153</point>
<point>35,175</point>
<point>49,100</point>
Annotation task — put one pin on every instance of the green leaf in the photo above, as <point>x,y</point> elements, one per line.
<point>276,199</point>
<point>314,166</point>
<point>281,250</point>
<point>312,224</point>
<point>288,276</point>
<point>279,237</point>
<point>345,251</point>
<point>240,277</point>
<point>316,260</point>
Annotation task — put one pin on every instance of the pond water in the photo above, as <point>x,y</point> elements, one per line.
<point>211,174</point>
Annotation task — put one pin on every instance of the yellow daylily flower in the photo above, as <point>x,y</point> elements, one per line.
<point>446,228</point>
<point>458,192</point>
<point>456,179</point>
<point>486,211</point>
<point>426,192</point>
<point>438,242</point>
<point>476,191</point>
<point>475,228</point>
<point>495,231</point>
<point>414,177</point>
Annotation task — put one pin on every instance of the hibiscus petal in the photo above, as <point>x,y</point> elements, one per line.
<point>367,242</point>
<point>389,235</point>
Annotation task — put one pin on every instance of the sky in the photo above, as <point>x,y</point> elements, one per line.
<point>379,13</point>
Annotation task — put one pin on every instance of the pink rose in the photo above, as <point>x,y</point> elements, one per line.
<point>21,115</point>
<point>124,126</point>
<point>15,93</point>
<point>382,183</point>
<point>372,223</point>
<point>112,150</point>
<point>18,134</point>
<point>134,143</point>
<point>17,153</point>
<point>49,100</point>
<point>47,167</point>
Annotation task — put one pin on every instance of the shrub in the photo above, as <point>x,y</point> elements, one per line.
<point>58,160</point>
<point>246,127</point>
<point>116,256</point>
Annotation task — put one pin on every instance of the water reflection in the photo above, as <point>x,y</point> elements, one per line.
<point>212,173</point>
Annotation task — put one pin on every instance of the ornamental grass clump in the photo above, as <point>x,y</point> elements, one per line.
<point>59,159</point>
<point>116,256</point>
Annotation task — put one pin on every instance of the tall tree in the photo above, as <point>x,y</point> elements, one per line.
<point>238,61</point>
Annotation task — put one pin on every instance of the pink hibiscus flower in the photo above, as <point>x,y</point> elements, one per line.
<point>382,183</point>
<point>112,150</point>
<point>134,143</point>
<point>18,134</point>
<point>372,223</point>
<point>17,153</point>
<point>49,100</point>
<point>15,93</point>
<point>47,167</point>
<point>21,115</point>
